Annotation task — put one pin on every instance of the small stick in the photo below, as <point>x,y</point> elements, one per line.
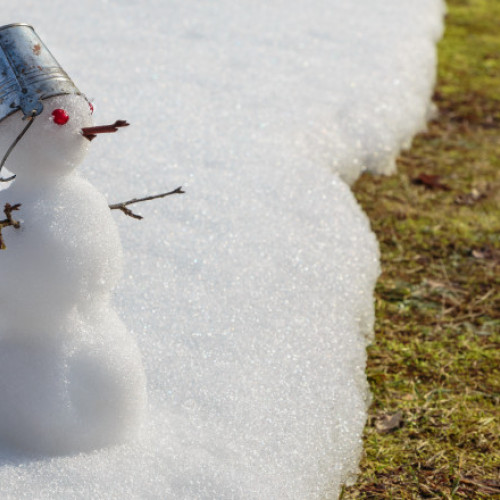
<point>30,119</point>
<point>487,488</point>
<point>8,221</point>
<point>91,132</point>
<point>123,206</point>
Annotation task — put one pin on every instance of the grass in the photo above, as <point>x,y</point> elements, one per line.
<point>436,358</point>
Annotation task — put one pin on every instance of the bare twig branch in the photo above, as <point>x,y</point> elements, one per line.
<point>7,179</point>
<point>30,119</point>
<point>123,206</point>
<point>8,221</point>
<point>91,132</point>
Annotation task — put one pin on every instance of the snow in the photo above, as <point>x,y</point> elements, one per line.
<point>250,296</point>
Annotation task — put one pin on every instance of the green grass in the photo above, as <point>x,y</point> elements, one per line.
<point>436,357</point>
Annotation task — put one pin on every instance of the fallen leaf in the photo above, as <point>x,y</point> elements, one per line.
<point>482,253</point>
<point>388,423</point>
<point>430,182</point>
<point>470,199</point>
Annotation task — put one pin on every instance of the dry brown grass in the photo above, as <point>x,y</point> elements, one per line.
<point>436,358</point>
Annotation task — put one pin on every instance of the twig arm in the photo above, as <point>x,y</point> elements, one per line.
<point>8,221</point>
<point>123,206</point>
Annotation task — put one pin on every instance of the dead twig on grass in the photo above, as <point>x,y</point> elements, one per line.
<point>486,486</point>
<point>123,206</point>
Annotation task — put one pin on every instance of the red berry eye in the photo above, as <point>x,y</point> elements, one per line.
<point>60,116</point>
<point>91,108</point>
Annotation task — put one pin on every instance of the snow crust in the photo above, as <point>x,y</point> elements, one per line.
<point>250,297</point>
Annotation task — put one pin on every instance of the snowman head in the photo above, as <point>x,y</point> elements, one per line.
<point>45,121</point>
<point>54,144</point>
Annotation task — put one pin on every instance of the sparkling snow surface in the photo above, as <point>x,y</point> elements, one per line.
<point>250,296</point>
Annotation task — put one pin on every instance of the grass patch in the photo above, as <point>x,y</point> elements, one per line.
<point>436,360</point>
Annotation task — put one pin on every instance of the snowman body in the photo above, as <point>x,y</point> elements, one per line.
<point>71,377</point>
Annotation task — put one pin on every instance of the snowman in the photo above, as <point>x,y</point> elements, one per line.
<point>71,377</point>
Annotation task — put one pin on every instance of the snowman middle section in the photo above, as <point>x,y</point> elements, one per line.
<point>71,377</point>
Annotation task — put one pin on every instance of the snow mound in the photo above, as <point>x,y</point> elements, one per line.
<point>250,297</point>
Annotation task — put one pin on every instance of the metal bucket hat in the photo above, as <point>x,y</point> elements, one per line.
<point>29,73</point>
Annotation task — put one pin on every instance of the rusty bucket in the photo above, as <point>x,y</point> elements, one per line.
<point>29,73</point>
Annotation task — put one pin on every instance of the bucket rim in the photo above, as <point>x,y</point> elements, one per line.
<point>19,109</point>
<point>12,25</point>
